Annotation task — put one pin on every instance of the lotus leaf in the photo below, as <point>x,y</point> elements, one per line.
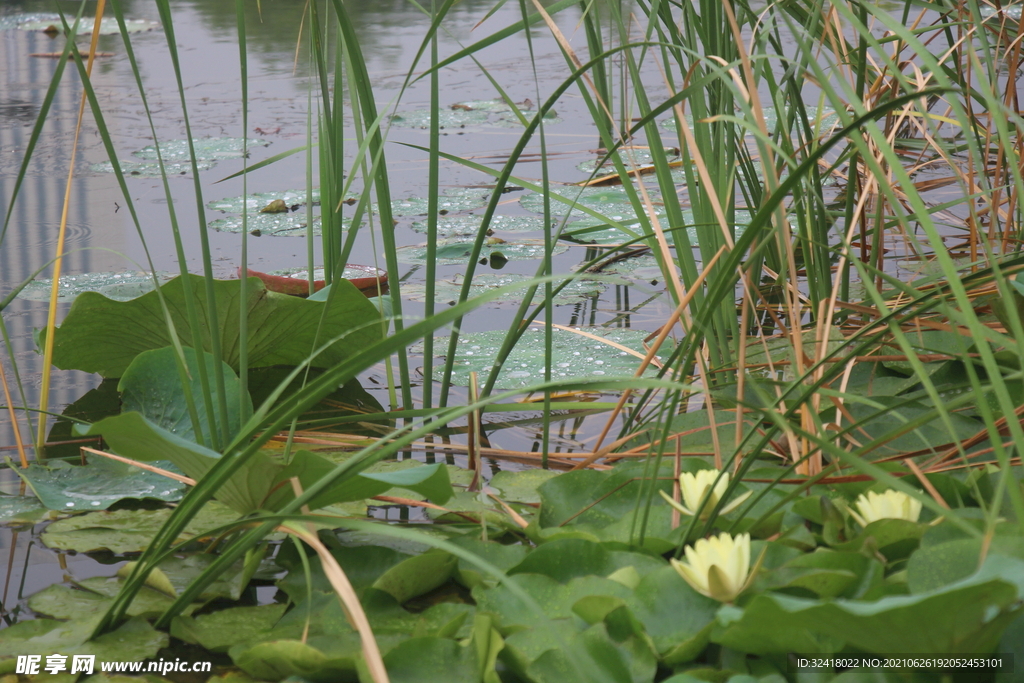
<point>104,336</point>
<point>17,510</point>
<point>446,118</point>
<point>612,203</point>
<point>416,575</point>
<point>269,224</point>
<point>452,200</point>
<point>151,387</point>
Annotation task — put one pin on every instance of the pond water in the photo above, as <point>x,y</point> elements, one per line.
<point>102,237</point>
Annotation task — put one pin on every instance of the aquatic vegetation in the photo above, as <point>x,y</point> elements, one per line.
<point>323,487</point>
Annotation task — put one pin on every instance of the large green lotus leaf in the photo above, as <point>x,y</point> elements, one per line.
<point>117,286</point>
<point>133,641</point>
<point>572,356</point>
<point>597,499</point>
<point>104,336</point>
<point>96,485</point>
<point>448,291</point>
<point>61,601</point>
<point>676,617</point>
<point>416,575</point>
<point>865,569</point>
<point>555,599</point>
<point>151,386</point>
<point>345,401</point>
<point>218,631</point>
<point>135,437</point>
<point>965,617</point>
<point>428,480</point>
<point>127,531</point>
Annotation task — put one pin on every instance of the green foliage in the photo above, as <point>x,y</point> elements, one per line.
<point>105,336</point>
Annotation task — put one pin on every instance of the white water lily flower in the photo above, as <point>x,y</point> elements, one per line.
<point>718,567</point>
<point>697,487</point>
<point>891,504</point>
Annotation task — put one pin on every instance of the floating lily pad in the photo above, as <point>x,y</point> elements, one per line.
<point>21,510</point>
<point>127,531</point>
<point>636,158</point>
<point>457,226</point>
<point>255,201</point>
<point>122,286</point>
<point>151,169</point>
<point>265,224</point>
<point>61,601</point>
<point>206,149</point>
<point>612,202</point>
<point>352,271</point>
<point>447,118</point>
<point>643,267</point>
<point>452,200</point>
<point>589,231</point>
<point>447,291</point>
<point>829,119</point>
<point>43,22</point>
<point>1011,12</point>
<point>510,120</point>
<point>98,484</point>
<point>455,251</point>
<point>494,106</point>
<point>572,356</point>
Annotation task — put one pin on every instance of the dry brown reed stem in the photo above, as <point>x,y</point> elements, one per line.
<point>14,419</point>
<point>348,598</point>
<point>141,465</point>
<point>58,261</point>
<point>651,355</point>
